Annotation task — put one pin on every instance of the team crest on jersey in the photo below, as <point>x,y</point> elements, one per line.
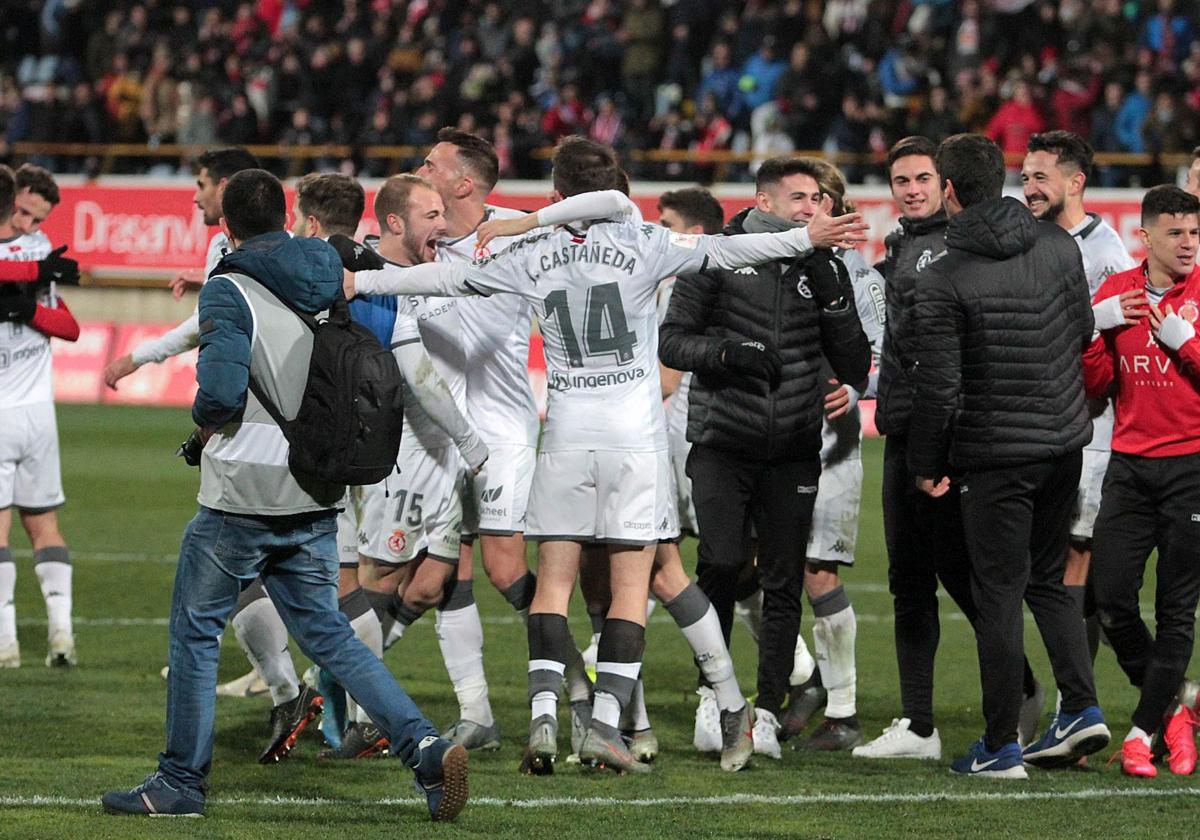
<point>803,290</point>
<point>1189,311</point>
<point>482,252</point>
<point>397,542</point>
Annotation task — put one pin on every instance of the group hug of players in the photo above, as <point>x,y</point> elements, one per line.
<point>451,285</point>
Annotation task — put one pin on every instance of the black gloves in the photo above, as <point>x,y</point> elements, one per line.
<point>17,303</point>
<point>753,359</point>
<point>58,269</point>
<point>828,279</point>
<point>191,448</point>
<point>355,256</point>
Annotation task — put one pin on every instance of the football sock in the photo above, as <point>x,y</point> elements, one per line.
<point>651,603</point>
<point>834,632</point>
<point>618,664</point>
<point>749,610</point>
<point>52,565</point>
<point>635,718</point>
<point>405,615</point>
<point>549,644</point>
<point>1138,732</point>
<point>698,620</point>
<point>381,604</point>
<point>579,685</point>
<point>358,611</point>
<point>8,583</point>
<point>264,639</point>
<point>803,663</point>
<point>520,594</point>
<point>460,636</point>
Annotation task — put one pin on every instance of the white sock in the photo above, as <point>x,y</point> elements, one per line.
<point>261,634</point>
<point>55,579</point>
<point>708,645</point>
<point>460,636</point>
<point>366,630</point>
<point>651,603</point>
<point>8,609</point>
<point>395,634</point>
<point>1137,732</point>
<point>803,663</point>
<point>833,640</point>
<point>749,610</point>
<point>634,717</point>
<point>606,709</point>
<point>544,703</point>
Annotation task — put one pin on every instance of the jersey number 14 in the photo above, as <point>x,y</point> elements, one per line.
<point>605,330</point>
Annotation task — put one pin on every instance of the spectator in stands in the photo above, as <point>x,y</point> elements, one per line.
<point>642,34</point>
<point>1015,122</point>
<point>1134,111</point>
<point>1104,136</point>
<point>721,81</point>
<point>937,120</point>
<point>1167,34</point>
<point>760,74</point>
<point>238,126</point>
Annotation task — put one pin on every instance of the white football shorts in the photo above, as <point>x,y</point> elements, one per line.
<point>30,477</point>
<point>679,449</point>
<point>1087,499</point>
<point>416,509</point>
<point>835,514</point>
<point>496,499</point>
<point>613,497</point>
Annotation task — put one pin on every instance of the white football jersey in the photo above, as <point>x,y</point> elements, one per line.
<point>1103,254</point>
<point>495,335</point>
<point>1103,251</point>
<point>437,321</point>
<point>25,374</point>
<point>594,293</point>
<point>842,437</point>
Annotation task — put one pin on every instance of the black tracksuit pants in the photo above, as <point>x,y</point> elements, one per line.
<point>729,492</point>
<point>1017,522</point>
<point>925,544</point>
<point>1149,503</point>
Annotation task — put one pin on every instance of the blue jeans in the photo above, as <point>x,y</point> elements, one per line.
<point>297,558</point>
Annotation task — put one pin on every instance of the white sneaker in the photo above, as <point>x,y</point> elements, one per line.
<point>898,741</point>
<point>10,653</point>
<point>61,653</point>
<point>766,734</point>
<point>247,685</point>
<point>707,734</point>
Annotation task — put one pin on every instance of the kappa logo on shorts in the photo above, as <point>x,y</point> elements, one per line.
<point>636,526</point>
<point>662,526</point>
<point>491,494</point>
<point>397,542</point>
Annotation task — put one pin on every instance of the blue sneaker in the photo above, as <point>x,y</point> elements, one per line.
<point>1004,763</point>
<point>1068,739</point>
<point>442,776</point>
<point>155,797</point>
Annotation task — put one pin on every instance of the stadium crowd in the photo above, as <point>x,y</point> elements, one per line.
<point>850,76</point>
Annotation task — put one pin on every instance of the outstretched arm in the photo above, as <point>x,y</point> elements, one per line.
<point>435,399</point>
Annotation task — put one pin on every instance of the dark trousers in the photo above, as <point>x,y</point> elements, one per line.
<point>1149,503</point>
<point>729,492</point>
<point>1016,522</point>
<point>925,543</point>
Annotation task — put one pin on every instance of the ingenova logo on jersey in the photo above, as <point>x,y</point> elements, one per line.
<point>560,381</point>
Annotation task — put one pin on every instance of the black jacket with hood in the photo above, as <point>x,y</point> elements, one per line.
<point>771,304</point>
<point>998,331</point>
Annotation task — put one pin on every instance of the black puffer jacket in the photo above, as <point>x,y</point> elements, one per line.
<point>998,331</point>
<point>771,304</point>
<point>910,252</point>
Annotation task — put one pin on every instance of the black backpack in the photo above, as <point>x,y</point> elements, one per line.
<point>348,428</point>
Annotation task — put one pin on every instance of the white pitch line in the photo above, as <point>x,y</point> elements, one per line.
<point>659,801</point>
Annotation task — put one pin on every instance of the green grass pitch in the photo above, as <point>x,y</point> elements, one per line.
<point>68,736</point>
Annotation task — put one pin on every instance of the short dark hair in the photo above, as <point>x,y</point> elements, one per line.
<point>1167,198</point>
<point>8,192</point>
<point>37,180</point>
<point>581,166</point>
<point>911,147</point>
<point>696,206</point>
<point>253,204</point>
<point>336,200</point>
<point>776,169</point>
<point>225,163</point>
<point>476,154</point>
<point>1067,145</point>
<point>974,164</point>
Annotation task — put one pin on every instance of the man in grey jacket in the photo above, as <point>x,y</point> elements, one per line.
<point>256,519</point>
